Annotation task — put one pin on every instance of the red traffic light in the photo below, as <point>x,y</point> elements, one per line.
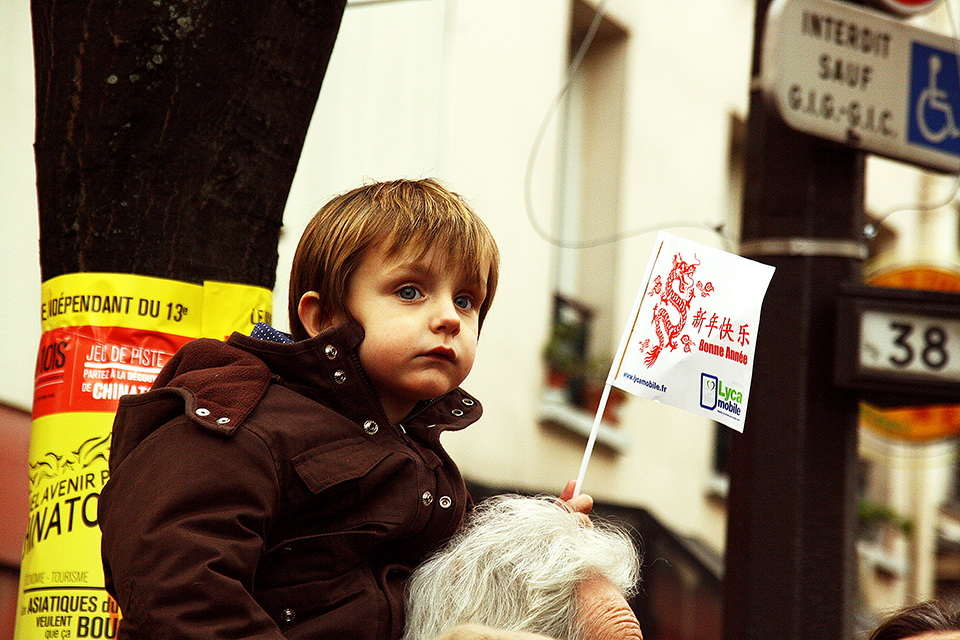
<point>905,7</point>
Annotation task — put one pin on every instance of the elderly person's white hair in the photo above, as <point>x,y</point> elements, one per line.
<point>518,565</point>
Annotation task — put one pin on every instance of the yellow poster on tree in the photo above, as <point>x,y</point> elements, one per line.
<point>105,335</point>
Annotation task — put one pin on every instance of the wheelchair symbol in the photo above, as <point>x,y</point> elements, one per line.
<point>932,101</point>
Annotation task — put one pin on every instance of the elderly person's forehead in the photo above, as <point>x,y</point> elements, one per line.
<point>525,563</point>
<point>604,612</point>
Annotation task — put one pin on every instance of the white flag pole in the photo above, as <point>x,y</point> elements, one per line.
<point>592,439</point>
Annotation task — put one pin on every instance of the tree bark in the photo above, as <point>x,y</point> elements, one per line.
<point>168,131</point>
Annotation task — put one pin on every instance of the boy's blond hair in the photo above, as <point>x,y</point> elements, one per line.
<point>402,215</point>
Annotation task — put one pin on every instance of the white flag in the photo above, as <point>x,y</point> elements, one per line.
<point>690,339</point>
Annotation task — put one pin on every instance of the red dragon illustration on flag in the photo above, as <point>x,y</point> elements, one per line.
<point>670,311</point>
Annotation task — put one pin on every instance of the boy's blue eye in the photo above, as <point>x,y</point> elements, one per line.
<point>464,302</point>
<point>408,293</point>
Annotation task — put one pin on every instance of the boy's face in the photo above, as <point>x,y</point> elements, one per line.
<point>421,321</point>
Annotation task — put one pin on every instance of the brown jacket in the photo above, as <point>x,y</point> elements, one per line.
<point>259,491</point>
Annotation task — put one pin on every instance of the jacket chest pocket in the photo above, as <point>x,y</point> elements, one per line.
<point>357,483</point>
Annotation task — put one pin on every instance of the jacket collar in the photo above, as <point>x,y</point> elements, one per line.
<point>227,381</point>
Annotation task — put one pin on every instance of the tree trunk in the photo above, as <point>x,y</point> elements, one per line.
<point>168,131</point>
<point>167,136</point>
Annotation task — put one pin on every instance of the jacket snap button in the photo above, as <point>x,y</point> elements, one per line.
<point>203,413</point>
<point>457,412</point>
<point>339,376</point>
<point>223,420</point>
<point>370,427</point>
<point>330,351</point>
<point>427,498</point>
<point>467,402</point>
<point>445,502</point>
<point>288,615</point>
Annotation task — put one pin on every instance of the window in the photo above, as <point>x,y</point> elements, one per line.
<point>583,339</point>
<point>588,203</point>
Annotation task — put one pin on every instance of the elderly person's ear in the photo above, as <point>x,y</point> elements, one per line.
<point>481,632</point>
<point>604,612</point>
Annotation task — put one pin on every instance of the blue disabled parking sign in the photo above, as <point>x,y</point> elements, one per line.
<point>934,99</point>
<point>855,76</point>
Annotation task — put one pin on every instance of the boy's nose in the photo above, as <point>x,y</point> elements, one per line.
<point>446,318</point>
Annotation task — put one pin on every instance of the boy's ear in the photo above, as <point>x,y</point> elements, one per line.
<point>308,311</point>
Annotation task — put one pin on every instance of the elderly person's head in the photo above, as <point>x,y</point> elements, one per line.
<point>526,564</point>
<point>928,620</point>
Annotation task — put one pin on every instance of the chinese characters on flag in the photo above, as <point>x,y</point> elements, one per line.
<point>689,341</point>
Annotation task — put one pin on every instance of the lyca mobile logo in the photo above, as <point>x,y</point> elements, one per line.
<point>714,395</point>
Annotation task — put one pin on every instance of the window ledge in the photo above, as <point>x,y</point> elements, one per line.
<point>880,560</point>
<point>556,410</point>
<point>717,487</point>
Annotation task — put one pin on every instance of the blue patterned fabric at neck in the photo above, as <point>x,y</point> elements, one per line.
<point>263,331</point>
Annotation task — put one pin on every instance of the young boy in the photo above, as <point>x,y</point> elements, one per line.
<point>276,488</point>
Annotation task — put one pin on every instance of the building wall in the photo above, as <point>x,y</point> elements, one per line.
<point>462,99</point>
<point>458,89</point>
<point>20,268</point>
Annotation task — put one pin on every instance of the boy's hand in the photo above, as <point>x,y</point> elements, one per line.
<point>579,506</point>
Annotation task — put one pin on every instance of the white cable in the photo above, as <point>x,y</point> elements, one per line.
<point>535,150</point>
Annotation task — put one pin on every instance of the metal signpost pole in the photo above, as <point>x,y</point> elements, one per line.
<point>790,544</point>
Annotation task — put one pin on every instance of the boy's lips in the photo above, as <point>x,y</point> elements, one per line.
<point>442,353</point>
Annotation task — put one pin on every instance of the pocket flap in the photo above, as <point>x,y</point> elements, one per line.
<point>324,467</point>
